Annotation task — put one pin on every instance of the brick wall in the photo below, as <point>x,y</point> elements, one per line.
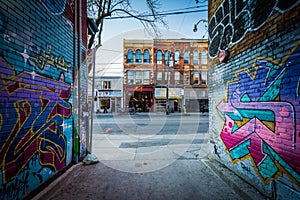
<point>254,96</point>
<point>37,62</point>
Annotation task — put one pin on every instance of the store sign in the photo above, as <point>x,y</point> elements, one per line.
<point>110,94</point>
<point>161,93</point>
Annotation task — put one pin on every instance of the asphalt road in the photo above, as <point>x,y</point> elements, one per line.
<point>151,124</point>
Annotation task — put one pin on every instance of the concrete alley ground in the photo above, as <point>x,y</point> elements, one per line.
<point>150,157</point>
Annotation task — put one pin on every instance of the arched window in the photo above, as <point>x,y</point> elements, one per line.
<point>129,56</point>
<point>203,57</point>
<point>177,57</point>
<point>138,56</point>
<point>186,57</point>
<point>195,57</point>
<point>159,57</point>
<point>167,57</point>
<point>146,56</point>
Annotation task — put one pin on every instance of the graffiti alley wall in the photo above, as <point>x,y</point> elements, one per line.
<point>38,58</point>
<point>254,95</point>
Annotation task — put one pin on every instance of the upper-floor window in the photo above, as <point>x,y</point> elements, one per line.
<point>159,77</point>
<point>177,57</point>
<point>138,77</point>
<point>138,56</point>
<point>195,57</point>
<point>146,77</point>
<point>177,77</point>
<point>106,85</point>
<point>129,56</point>
<point>167,57</point>
<point>130,77</point>
<point>203,57</point>
<point>186,57</point>
<point>159,57</point>
<point>204,77</point>
<point>196,78</point>
<point>146,56</point>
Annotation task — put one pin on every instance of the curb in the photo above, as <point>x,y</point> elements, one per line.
<point>54,183</point>
<point>239,186</point>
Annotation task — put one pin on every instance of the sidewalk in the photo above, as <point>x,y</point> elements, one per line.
<point>184,179</point>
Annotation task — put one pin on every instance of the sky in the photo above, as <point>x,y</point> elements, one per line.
<point>109,56</point>
<point>181,23</point>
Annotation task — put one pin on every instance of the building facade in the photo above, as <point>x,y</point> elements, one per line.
<point>165,74</point>
<point>109,94</point>
<point>254,92</point>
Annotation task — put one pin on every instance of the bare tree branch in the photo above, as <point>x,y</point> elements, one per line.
<point>108,7</point>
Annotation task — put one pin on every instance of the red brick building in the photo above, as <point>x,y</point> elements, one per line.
<point>163,72</point>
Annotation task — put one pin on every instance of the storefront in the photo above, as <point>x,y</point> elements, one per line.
<point>174,96</point>
<point>196,99</point>
<point>109,101</point>
<point>139,99</point>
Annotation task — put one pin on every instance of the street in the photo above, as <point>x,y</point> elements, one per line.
<point>149,141</point>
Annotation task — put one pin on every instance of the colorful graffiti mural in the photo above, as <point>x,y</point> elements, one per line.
<point>36,94</point>
<point>34,123</point>
<point>235,18</point>
<point>261,115</point>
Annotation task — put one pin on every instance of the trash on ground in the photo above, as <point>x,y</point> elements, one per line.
<point>90,159</point>
<point>107,130</point>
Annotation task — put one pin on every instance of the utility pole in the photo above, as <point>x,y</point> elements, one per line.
<point>93,97</point>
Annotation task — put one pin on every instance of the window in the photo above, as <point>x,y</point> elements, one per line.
<point>166,77</point>
<point>167,57</point>
<point>196,78</point>
<point>129,57</point>
<point>138,77</point>
<point>159,57</point>
<point>130,77</point>
<point>204,77</point>
<point>146,77</point>
<point>203,57</point>
<point>159,77</point>
<point>177,57</point>
<point>146,56</point>
<point>106,85</point>
<point>186,57</point>
<point>186,77</point>
<point>138,56</point>
<point>177,77</point>
<point>195,58</point>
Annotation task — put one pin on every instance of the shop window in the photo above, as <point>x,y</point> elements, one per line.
<point>159,57</point>
<point>146,57</point>
<point>138,56</point>
<point>195,57</point>
<point>129,57</point>
<point>186,57</point>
